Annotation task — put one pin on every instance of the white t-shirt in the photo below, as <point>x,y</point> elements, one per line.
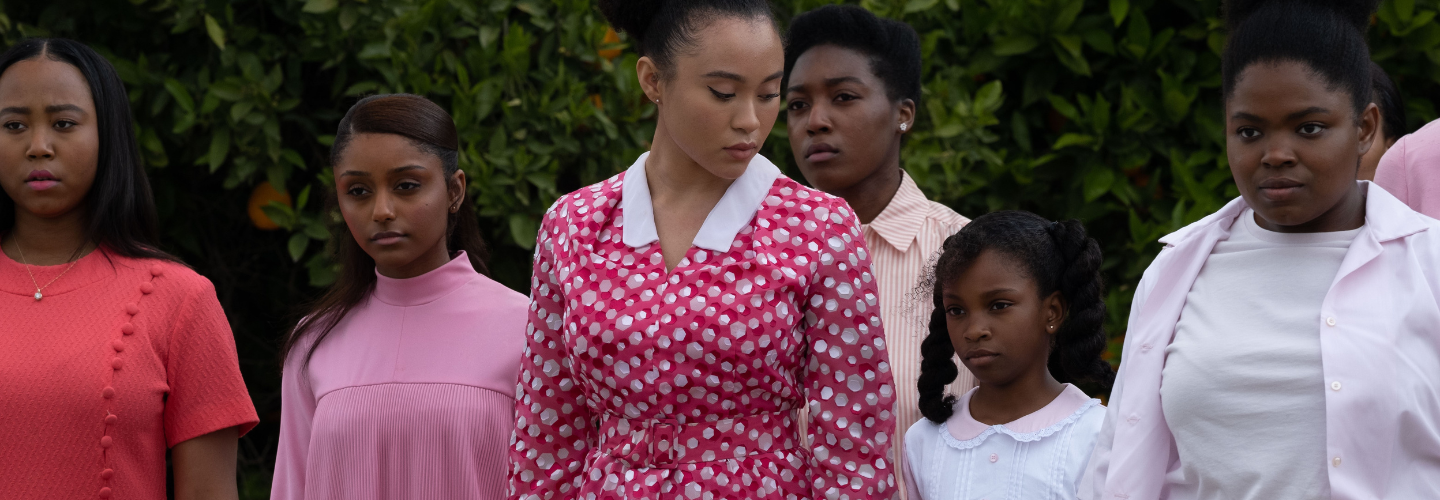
<point>1243,389</point>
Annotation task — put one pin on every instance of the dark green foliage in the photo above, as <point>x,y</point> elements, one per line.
<point>1104,110</point>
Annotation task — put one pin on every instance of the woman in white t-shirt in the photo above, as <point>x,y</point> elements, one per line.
<point>1285,346</point>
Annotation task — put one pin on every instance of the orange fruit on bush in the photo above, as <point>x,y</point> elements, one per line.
<point>611,38</point>
<point>261,196</point>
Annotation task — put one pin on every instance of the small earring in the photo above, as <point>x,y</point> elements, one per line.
<point>657,101</point>
<point>904,127</point>
<point>1052,327</point>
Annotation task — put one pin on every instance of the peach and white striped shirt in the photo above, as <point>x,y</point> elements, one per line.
<point>904,241</point>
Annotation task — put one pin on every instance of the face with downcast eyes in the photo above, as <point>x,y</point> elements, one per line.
<point>999,324</point>
<point>396,200</point>
<point>719,99</point>
<point>1294,146</point>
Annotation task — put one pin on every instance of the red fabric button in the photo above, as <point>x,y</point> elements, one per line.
<point>107,474</point>
<point>132,309</point>
<point>106,441</point>
<point>117,363</point>
<point>105,492</point>
<point>117,345</point>
<point>156,270</point>
<point>111,419</point>
<point>146,288</point>
<point>127,328</point>
<point>108,392</point>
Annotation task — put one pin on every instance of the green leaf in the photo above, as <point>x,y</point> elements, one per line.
<point>1097,182</point>
<point>219,148</point>
<point>298,242</point>
<point>1064,107</point>
<point>1073,139</point>
<point>919,5</point>
<point>1118,9</point>
<point>1067,16</point>
<point>1014,45</point>
<point>182,96</point>
<point>1404,10</point>
<point>217,34</point>
<point>348,16</point>
<point>319,6</point>
<point>278,213</point>
<point>523,230</point>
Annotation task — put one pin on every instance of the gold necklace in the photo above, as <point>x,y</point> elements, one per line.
<point>38,288</point>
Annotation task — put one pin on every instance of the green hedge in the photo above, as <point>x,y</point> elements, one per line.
<point>1103,110</point>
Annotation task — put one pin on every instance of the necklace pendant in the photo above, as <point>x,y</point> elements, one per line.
<point>38,296</point>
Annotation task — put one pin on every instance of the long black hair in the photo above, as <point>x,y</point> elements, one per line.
<point>1326,35</point>
<point>663,28</point>
<point>119,209</point>
<point>431,129</point>
<point>1058,256</point>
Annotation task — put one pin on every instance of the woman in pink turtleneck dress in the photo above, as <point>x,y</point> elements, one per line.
<point>400,383</point>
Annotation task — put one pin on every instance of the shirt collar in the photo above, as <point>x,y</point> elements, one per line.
<point>734,211</point>
<point>900,222</point>
<point>963,426</point>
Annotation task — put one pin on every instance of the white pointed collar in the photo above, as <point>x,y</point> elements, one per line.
<point>734,211</point>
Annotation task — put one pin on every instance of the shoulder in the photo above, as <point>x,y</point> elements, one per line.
<point>921,433</point>
<point>166,279</point>
<point>584,201</point>
<point>802,204</point>
<point>498,298</point>
<point>944,217</point>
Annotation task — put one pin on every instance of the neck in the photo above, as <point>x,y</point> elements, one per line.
<point>675,177</point>
<point>995,404</point>
<point>431,260</point>
<point>47,241</point>
<point>872,194</point>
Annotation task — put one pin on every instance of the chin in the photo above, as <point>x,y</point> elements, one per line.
<point>727,168</point>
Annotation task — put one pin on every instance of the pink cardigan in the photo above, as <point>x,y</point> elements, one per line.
<point>1379,330</point>
<point>1410,170</point>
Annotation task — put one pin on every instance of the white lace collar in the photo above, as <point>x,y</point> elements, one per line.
<point>963,432</point>
<point>734,211</point>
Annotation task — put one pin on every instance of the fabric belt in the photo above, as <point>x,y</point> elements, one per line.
<point>664,444</point>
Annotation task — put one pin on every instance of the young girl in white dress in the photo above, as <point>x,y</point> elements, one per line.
<point>1019,299</point>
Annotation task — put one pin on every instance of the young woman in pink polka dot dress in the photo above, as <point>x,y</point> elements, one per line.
<point>673,336</point>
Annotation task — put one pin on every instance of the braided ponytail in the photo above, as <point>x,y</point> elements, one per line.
<point>937,369</point>
<point>1081,337</point>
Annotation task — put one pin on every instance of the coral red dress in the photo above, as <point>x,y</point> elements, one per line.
<point>639,382</point>
<point>122,359</point>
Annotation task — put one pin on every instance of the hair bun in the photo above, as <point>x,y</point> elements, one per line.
<point>631,16</point>
<point>1356,12</point>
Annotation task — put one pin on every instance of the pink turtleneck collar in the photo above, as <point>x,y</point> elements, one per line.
<point>427,287</point>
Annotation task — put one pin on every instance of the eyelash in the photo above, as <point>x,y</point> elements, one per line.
<point>725,97</point>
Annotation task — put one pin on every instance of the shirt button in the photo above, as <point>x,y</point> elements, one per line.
<point>1335,386</point>
<point>1330,321</point>
<point>1335,461</point>
<point>994,458</point>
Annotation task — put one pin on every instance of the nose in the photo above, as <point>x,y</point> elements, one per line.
<point>818,119</point>
<point>40,145</point>
<point>976,331</point>
<point>747,119</point>
<point>384,210</point>
<point>1278,153</point>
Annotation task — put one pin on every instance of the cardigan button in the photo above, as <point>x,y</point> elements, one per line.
<point>106,441</point>
<point>107,474</point>
<point>127,329</point>
<point>117,363</point>
<point>132,309</point>
<point>146,288</point>
<point>108,392</point>
<point>111,419</point>
<point>156,270</point>
<point>117,345</point>
<point>105,492</point>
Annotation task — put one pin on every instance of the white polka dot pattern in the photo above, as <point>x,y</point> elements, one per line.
<point>638,383</point>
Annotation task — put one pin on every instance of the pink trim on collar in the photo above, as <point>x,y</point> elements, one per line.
<point>964,427</point>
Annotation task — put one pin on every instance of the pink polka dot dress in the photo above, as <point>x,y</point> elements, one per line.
<point>642,383</point>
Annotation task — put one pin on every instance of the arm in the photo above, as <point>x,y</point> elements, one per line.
<point>205,466</point>
<point>297,411</point>
<point>552,429</point>
<point>847,376</point>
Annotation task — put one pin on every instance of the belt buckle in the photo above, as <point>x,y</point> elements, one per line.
<point>662,444</point>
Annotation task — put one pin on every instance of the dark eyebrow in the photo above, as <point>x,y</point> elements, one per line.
<point>361,173</point>
<point>829,82</point>
<point>56,108</point>
<point>732,76</point>
<point>15,109</point>
<point>1241,115</point>
<point>999,291</point>
<point>1313,110</point>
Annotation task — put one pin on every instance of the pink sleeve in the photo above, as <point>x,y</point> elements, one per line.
<point>847,376</point>
<point>297,411</point>
<point>206,391</point>
<point>552,428</point>
<point>912,490</point>
<point>1390,175</point>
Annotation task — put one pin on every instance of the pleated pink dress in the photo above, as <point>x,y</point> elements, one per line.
<point>410,397</point>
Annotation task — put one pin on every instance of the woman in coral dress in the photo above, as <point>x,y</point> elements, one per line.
<point>684,309</point>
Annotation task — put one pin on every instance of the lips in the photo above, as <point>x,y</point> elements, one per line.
<point>41,180</point>
<point>975,354</point>
<point>387,237</point>
<point>820,152</point>
<point>1279,189</point>
<point>742,151</point>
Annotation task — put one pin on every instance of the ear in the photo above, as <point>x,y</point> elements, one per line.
<point>1054,310</point>
<point>650,80</point>
<point>455,186</point>
<point>906,111</point>
<point>1369,127</point>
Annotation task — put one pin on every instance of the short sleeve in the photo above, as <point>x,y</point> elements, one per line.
<point>847,381</point>
<point>207,392</point>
